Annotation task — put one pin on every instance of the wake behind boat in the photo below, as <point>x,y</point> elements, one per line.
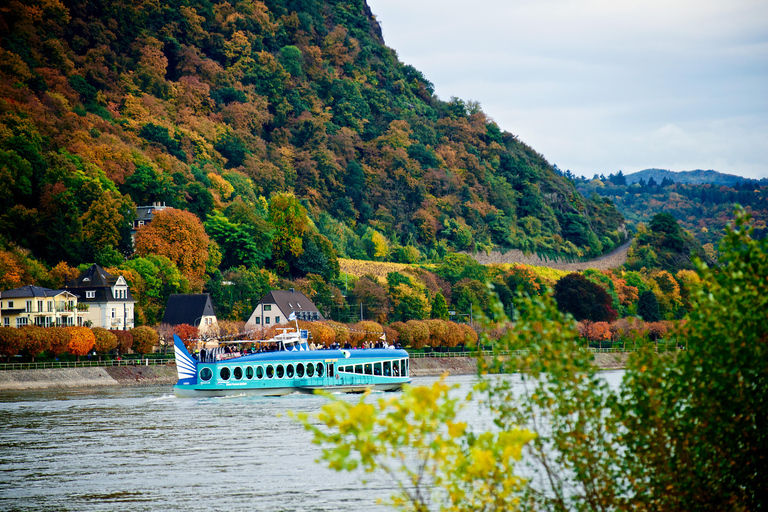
<point>284,364</point>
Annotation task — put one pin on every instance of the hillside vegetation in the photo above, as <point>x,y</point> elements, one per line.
<point>703,209</point>
<point>105,105</point>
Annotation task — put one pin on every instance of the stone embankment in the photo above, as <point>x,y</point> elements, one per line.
<point>60,378</point>
<point>614,259</point>
<point>166,375</point>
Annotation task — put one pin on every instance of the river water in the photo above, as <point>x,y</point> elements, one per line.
<point>143,449</point>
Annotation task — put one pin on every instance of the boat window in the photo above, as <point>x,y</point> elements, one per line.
<point>319,369</point>
<point>404,364</point>
<point>349,369</point>
<point>206,374</point>
<point>396,369</point>
<point>238,373</point>
<point>387,369</point>
<point>358,368</point>
<point>289,371</point>
<point>259,372</point>
<point>368,369</point>
<point>224,373</point>
<point>330,370</point>
<point>279,371</point>
<point>270,372</point>
<point>299,370</point>
<point>310,370</point>
<point>377,368</point>
<point>249,372</point>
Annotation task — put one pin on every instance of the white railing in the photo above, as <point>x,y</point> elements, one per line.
<point>87,364</point>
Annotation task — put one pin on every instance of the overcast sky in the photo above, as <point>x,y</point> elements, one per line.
<point>598,86</point>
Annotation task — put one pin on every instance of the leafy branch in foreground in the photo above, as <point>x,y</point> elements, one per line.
<point>436,462</point>
<point>683,432</point>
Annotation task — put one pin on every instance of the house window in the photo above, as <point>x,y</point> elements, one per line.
<point>113,312</point>
<point>39,306</point>
<point>6,321</point>
<point>10,303</point>
<point>267,307</point>
<point>266,320</point>
<point>90,294</point>
<point>277,319</point>
<point>80,321</point>
<point>50,306</point>
<point>21,321</point>
<point>258,321</point>
<point>298,305</point>
<point>28,307</point>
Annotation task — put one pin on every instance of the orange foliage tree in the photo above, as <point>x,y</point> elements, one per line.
<point>58,337</point>
<point>11,341</point>
<point>35,340</point>
<point>187,333</point>
<point>438,332</point>
<point>81,342</point>
<point>178,235</point>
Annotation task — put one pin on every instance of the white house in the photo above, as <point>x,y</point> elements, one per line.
<point>276,306</point>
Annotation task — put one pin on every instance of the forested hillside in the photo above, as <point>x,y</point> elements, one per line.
<point>703,209</point>
<point>285,127</point>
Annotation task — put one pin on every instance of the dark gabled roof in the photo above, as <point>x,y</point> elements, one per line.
<point>290,300</point>
<point>98,280</point>
<point>188,308</point>
<point>29,291</point>
<point>93,277</point>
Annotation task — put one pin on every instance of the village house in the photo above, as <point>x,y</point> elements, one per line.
<point>276,308</point>
<point>35,305</point>
<point>195,309</point>
<point>109,300</point>
<point>144,215</point>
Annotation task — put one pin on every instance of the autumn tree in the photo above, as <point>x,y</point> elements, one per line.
<point>11,341</point>
<point>36,340</point>
<point>144,339</point>
<point>124,341</point>
<point>105,342</point>
<point>59,338</point>
<point>81,341</point>
<point>179,236</point>
<point>373,297</point>
<point>188,334</point>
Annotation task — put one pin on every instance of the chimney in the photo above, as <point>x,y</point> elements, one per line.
<point>292,290</point>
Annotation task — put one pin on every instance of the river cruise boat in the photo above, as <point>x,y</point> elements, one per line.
<point>284,364</point>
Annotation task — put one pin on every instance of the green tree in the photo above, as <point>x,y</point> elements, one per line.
<point>648,307</point>
<point>439,307</point>
<point>290,221</point>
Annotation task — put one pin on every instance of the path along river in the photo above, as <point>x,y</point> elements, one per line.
<point>143,449</point>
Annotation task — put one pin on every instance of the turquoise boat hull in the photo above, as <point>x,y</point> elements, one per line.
<point>297,371</point>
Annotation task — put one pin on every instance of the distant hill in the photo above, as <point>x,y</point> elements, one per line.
<point>693,177</point>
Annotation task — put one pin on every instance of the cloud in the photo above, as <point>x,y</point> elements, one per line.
<point>598,86</point>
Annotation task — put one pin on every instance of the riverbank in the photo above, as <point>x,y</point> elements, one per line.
<point>166,375</point>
